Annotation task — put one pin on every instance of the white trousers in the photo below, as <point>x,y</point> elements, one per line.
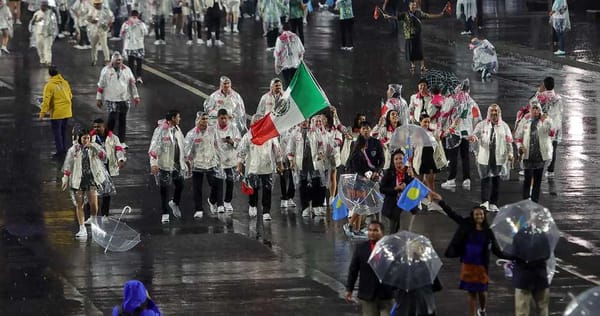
<point>99,37</point>
<point>44,48</point>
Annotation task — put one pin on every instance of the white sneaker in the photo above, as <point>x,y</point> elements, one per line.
<point>199,41</point>
<point>494,208</point>
<point>549,175</point>
<point>198,214</point>
<point>115,38</point>
<point>82,233</point>
<point>252,211</point>
<point>213,207</point>
<point>18,22</point>
<point>522,173</point>
<point>61,35</point>
<point>189,43</point>
<point>209,42</point>
<point>319,211</point>
<point>78,46</point>
<point>165,218</point>
<point>266,217</point>
<point>283,204</point>
<point>291,203</point>
<point>157,42</point>
<point>349,48</point>
<point>228,206</point>
<point>433,206</point>
<point>449,184</point>
<point>235,29</point>
<point>269,49</point>
<point>220,209</point>
<point>306,212</point>
<point>219,43</point>
<point>560,52</point>
<point>88,221</point>
<point>175,208</point>
<point>467,184</point>
<point>485,205</point>
<point>226,29</point>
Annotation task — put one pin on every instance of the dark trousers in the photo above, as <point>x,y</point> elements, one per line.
<point>118,117</point>
<point>312,192</point>
<point>213,22</point>
<point>135,63</point>
<point>489,189</point>
<point>215,184</point>
<point>297,27</point>
<point>228,185</point>
<point>59,129</point>
<point>536,176</point>
<point>116,28</point>
<point>479,4</point>
<point>265,182</point>
<point>452,155</point>
<point>560,37</point>
<point>552,163</point>
<point>286,181</point>
<point>105,206</point>
<point>83,36</point>
<point>166,179</point>
<point>64,20</point>
<point>159,27</point>
<point>190,25</point>
<point>469,25</point>
<point>288,75</point>
<point>346,31</point>
<point>272,37</point>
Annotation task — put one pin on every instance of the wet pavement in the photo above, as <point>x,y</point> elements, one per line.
<point>215,266</point>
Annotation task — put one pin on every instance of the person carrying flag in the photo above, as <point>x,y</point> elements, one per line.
<point>394,181</point>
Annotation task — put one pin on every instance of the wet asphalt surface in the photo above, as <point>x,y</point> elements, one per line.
<point>215,266</point>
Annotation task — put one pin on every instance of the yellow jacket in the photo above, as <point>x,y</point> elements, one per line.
<point>57,98</point>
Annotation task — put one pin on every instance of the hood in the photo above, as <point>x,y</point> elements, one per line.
<point>396,89</point>
<point>134,295</point>
<point>488,116</point>
<point>56,79</point>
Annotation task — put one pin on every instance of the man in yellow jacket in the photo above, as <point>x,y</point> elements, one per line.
<point>57,101</point>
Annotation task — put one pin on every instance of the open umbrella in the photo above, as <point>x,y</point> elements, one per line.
<point>526,230</point>
<point>410,136</point>
<point>114,235</point>
<point>445,80</point>
<point>405,260</point>
<point>360,194</point>
<point>585,304</point>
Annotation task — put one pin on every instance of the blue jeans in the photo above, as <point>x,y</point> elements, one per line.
<point>59,128</point>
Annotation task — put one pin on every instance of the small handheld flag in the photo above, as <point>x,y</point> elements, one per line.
<point>376,13</point>
<point>412,195</point>
<point>339,209</point>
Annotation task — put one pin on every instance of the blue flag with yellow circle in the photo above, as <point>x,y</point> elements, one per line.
<point>339,209</point>
<point>414,192</point>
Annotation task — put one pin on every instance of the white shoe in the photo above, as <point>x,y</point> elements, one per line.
<point>350,48</point>
<point>88,221</point>
<point>189,43</point>
<point>209,42</point>
<point>87,46</point>
<point>78,46</point>
<point>433,206</point>
<point>213,207</point>
<point>235,29</point>
<point>560,52</point>
<point>485,205</point>
<point>228,206</point>
<point>175,208</point>
<point>269,49</point>
<point>319,211</point>
<point>226,29</point>
<point>449,184</point>
<point>306,212</point>
<point>82,233</point>
<point>252,211</point>
<point>198,214</point>
<point>18,22</point>
<point>467,184</point>
<point>165,218</point>
<point>266,217</point>
<point>61,35</point>
<point>219,43</point>
<point>283,204</point>
<point>494,208</point>
<point>157,42</point>
<point>220,210</point>
<point>199,41</point>
<point>115,38</point>
<point>522,173</point>
<point>291,203</point>
<point>549,175</point>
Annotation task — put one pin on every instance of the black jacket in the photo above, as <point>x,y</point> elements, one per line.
<point>466,226</point>
<point>386,187</point>
<point>357,162</point>
<point>369,287</point>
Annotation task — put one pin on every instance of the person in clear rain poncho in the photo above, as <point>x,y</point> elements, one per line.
<point>6,26</point>
<point>466,11</point>
<point>271,12</point>
<point>228,139</point>
<point>561,22</point>
<point>552,104</point>
<point>288,54</point>
<point>395,101</point>
<point>228,99</point>
<point>493,155</point>
<point>44,26</point>
<point>101,20</point>
<point>133,32</point>
<point>485,59</point>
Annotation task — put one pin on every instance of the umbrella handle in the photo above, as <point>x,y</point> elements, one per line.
<point>125,209</point>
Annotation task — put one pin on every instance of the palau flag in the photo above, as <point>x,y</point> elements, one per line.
<point>339,209</point>
<point>414,192</point>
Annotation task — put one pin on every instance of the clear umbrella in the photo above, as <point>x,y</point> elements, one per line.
<point>405,260</point>
<point>360,194</point>
<point>114,235</point>
<point>526,230</point>
<point>410,136</point>
<point>585,304</point>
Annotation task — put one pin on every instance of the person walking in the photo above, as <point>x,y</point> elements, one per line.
<point>419,102</point>
<point>136,301</point>
<point>167,162</point>
<point>227,98</point>
<point>133,32</point>
<point>429,160</point>
<point>268,100</point>
<point>271,12</point>
<point>495,152</point>
<point>466,11</point>
<point>160,9</point>
<point>192,10</point>
<point>296,12</point>
<point>396,102</point>
<point>57,100</point>
<point>472,243</point>
<point>376,298</point>
<point>228,139</point>
<point>393,182</point>
<point>80,11</point>
<point>213,10</point>
<point>288,53</point>
<point>6,26</point>
<point>552,104</point>
<point>101,20</point>
<point>346,23</point>
<point>116,87</point>
<point>45,29</point>
<point>561,22</point>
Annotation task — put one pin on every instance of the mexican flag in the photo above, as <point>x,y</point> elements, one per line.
<point>302,99</point>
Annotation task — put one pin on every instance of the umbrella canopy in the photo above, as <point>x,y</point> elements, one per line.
<point>526,230</point>
<point>410,136</point>
<point>445,80</point>
<point>585,304</point>
<point>405,260</point>
<point>114,235</point>
<point>360,194</point>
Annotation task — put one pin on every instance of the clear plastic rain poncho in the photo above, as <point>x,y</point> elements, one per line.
<point>200,149</point>
<point>6,20</point>
<point>484,56</point>
<point>288,52</point>
<point>405,260</point>
<point>501,150</point>
<point>463,115</point>
<point>466,9</point>
<point>560,19</point>
<point>396,102</point>
<point>271,12</point>
<point>232,102</point>
<point>74,166</point>
<point>552,104</point>
<point>323,149</point>
<point>360,194</point>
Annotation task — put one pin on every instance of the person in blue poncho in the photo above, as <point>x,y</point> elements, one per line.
<point>136,301</point>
